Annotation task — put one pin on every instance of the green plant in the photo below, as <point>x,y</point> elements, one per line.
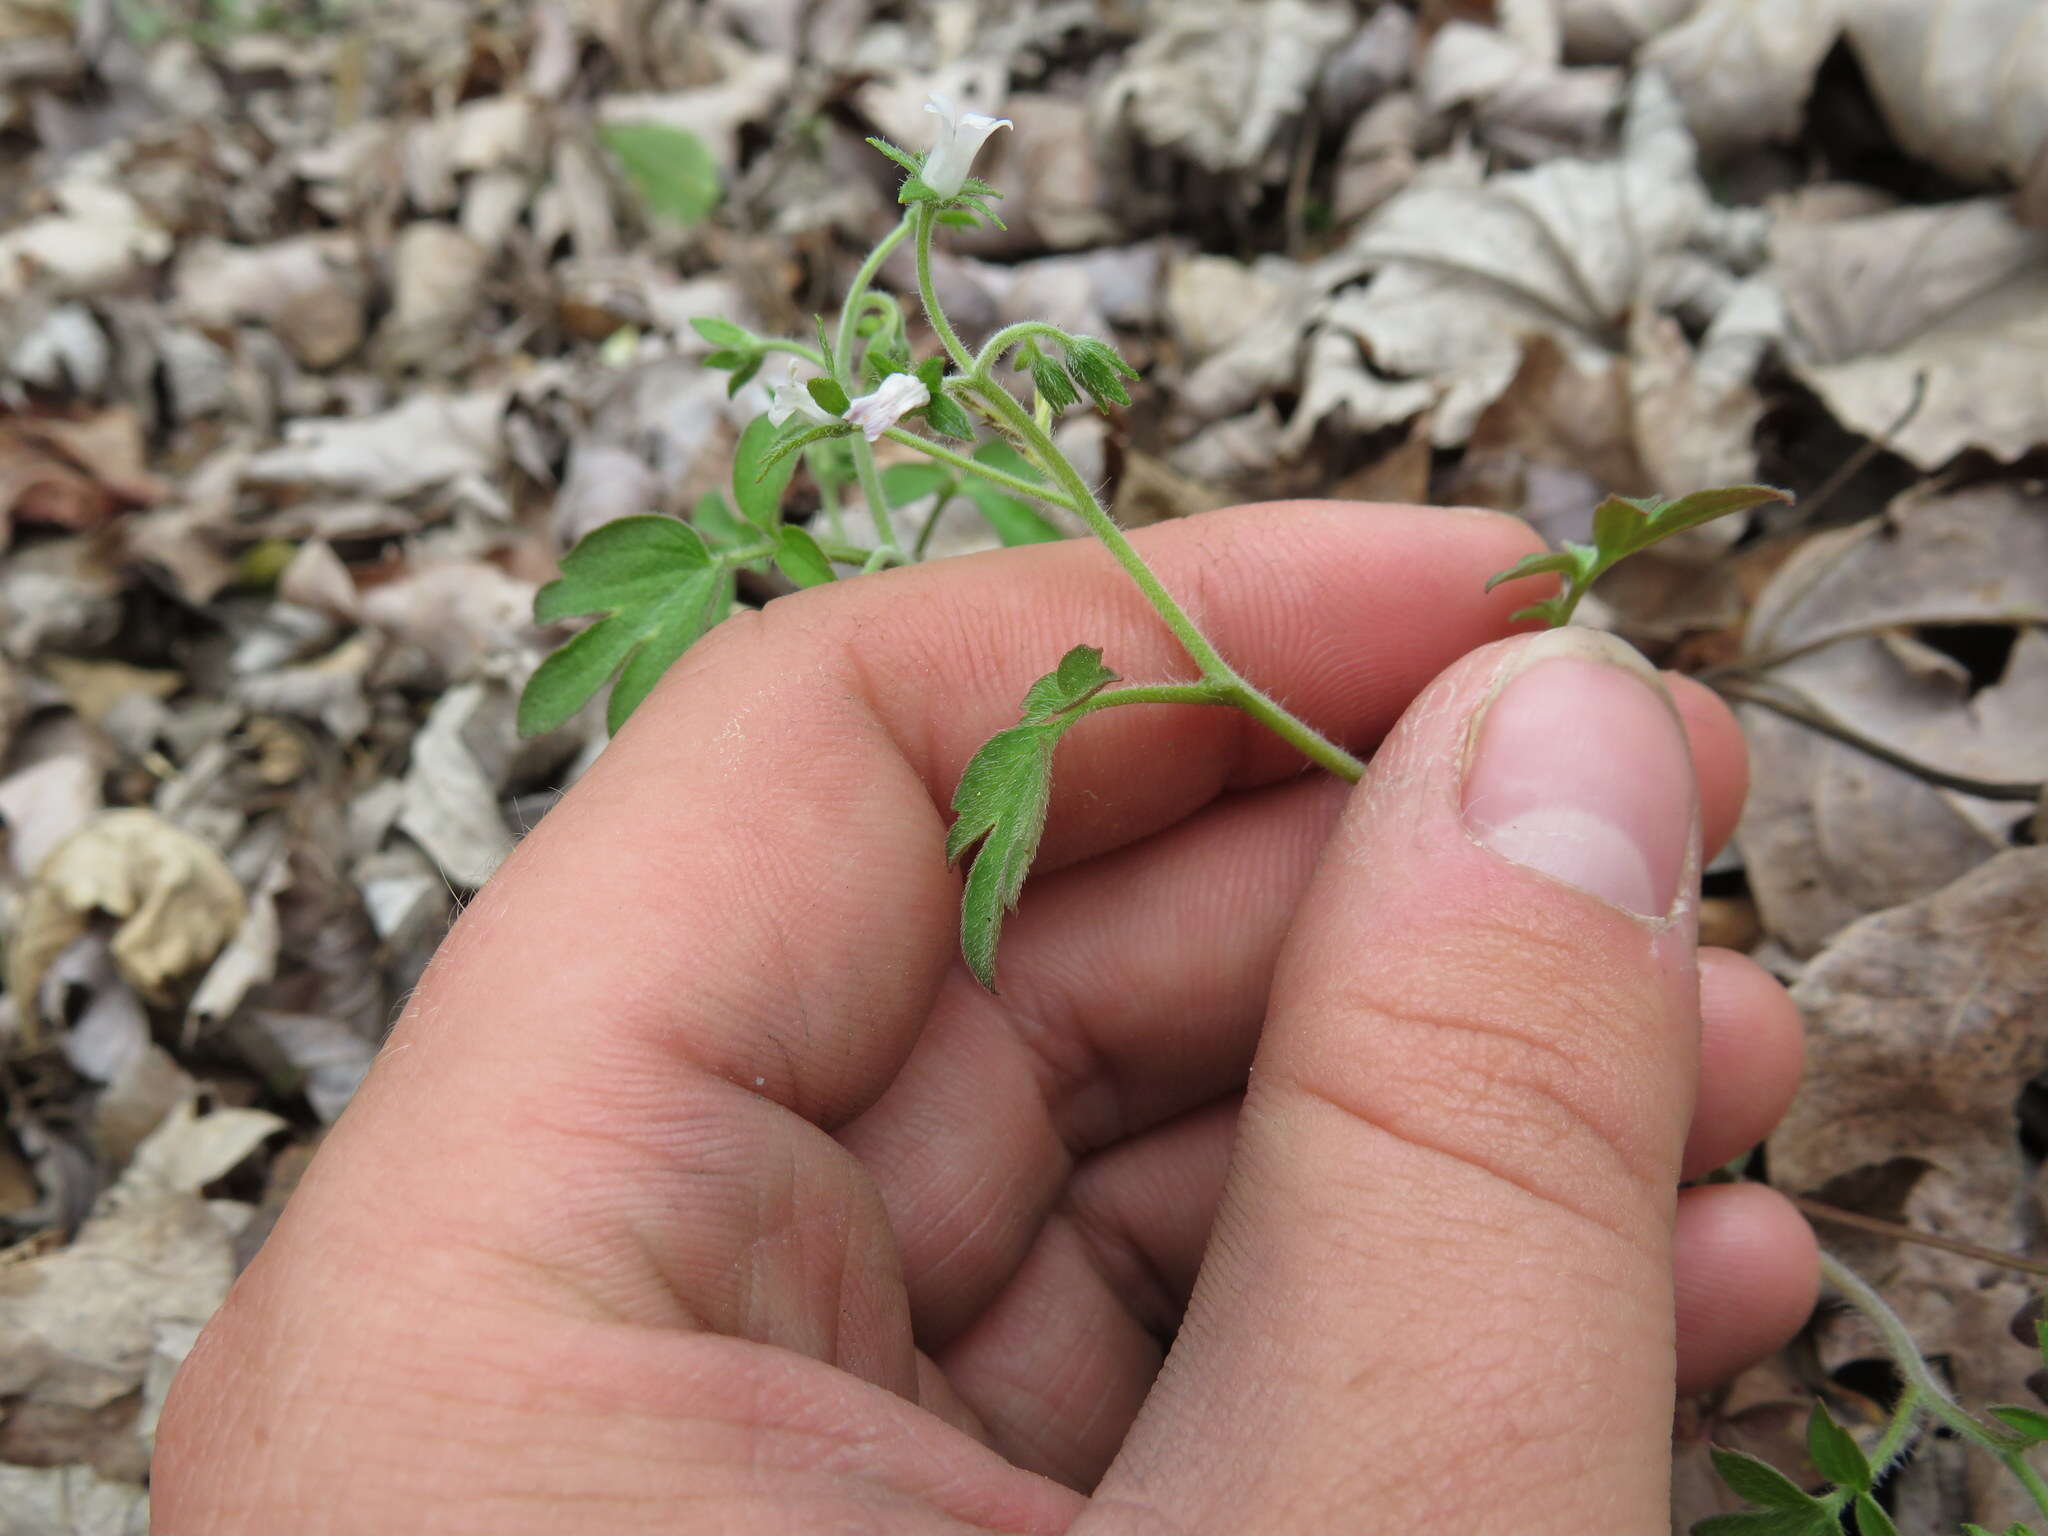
<point>656,584</point>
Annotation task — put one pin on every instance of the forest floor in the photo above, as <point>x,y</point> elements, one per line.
<point>325,328</point>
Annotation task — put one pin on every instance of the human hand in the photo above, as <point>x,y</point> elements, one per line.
<point>701,1189</point>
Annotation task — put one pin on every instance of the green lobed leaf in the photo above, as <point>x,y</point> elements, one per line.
<point>1835,1451</point>
<point>1871,1520</point>
<point>1759,1481</point>
<point>658,588</point>
<point>721,332</point>
<point>758,480</point>
<point>2026,1421</point>
<point>1623,525</point>
<point>670,168</point>
<point>798,557</point>
<point>904,483</point>
<point>830,397</point>
<point>1001,803</point>
<point>716,522</point>
<point>1015,522</point>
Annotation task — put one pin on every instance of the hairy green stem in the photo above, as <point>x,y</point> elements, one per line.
<point>1155,693</point>
<point>960,461</point>
<point>944,494</point>
<point>1038,445</point>
<point>1898,1341</point>
<point>926,217</point>
<point>1892,1444</point>
<point>810,355</point>
<point>842,372</point>
<point>993,349</point>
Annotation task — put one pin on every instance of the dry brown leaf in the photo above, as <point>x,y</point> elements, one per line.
<point>310,289</point>
<point>77,1325</point>
<point>177,902</point>
<point>1464,270</point>
<point>1744,68</point>
<point>1924,1024</point>
<point>437,276</point>
<point>70,1501</point>
<point>1610,29</point>
<point>1832,833</point>
<point>1955,296</point>
<point>427,442</point>
<point>1216,81</point>
<point>1963,83</point>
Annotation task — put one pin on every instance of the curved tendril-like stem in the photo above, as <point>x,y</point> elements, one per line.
<point>996,346</point>
<point>979,470</point>
<point>810,355</point>
<point>1934,1397</point>
<point>842,373</point>
<point>1013,418</point>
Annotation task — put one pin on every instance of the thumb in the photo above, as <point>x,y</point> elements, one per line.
<point>1438,1294</point>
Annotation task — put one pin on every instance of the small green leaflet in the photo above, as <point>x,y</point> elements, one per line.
<point>669,167</point>
<point>760,475</point>
<point>1002,800</point>
<point>904,483</point>
<point>1816,1521</point>
<point>1871,1520</point>
<point>1760,1482</point>
<point>658,588</point>
<point>1015,522</point>
<point>2015,1529</point>
<point>798,557</point>
<point>2025,1421</point>
<point>715,521</point>
<point>1622,526</point>
<point>1835,1451</point>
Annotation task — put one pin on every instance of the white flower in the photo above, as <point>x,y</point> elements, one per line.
<point>961,135</point>
<point>792,399</point>
<point>900,394</point>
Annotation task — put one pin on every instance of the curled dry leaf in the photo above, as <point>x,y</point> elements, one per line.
<point>1924,1025</point>
<point>78,1324</point>
<point>177,901</point>
<point>1217,81</point>
<point>71,1501</point>
<point>1963,83</point>
<point>1948,303</point>
<point>1744,68</point>
<point>1464,269</point>
<point>311,290</point>
<point>1832,833</point>
<point>429,441</point>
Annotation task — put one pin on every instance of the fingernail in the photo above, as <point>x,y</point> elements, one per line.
<point>1581,770</point>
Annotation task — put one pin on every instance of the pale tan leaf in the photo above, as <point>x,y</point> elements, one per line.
<point>1963,83</point>
<point>1744,68</point>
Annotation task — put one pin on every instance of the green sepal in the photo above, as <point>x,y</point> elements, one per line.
<point>1099,371</point>
<point>2022,1421</point>
<point>830,397</point>
<point>902,157</point>
<point>1871,1520</point>
<point>793,441</point>
<point>1002,800</point>
<point>657,587</point>
<point>1054,384</point>
<point>1759,1482</point>
<point>1835,1452</point>
<point>947,418</point>
<point>798,557</point>
<point>760,475</point>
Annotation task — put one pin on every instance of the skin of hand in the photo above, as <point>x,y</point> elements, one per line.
<point>700,1189</point>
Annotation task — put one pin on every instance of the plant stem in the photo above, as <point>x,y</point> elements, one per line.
<point>849,312</point>
<point>1893,1441</point>
<point>993,349</point>
<point>926,216</point>
<point>945,494</point>
<point>810,355</point>
<point>842,372</point>
<point>1913,1366</point>
<point>1155,693</point>
<point>960,461</point>
<point>1012,417</point>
